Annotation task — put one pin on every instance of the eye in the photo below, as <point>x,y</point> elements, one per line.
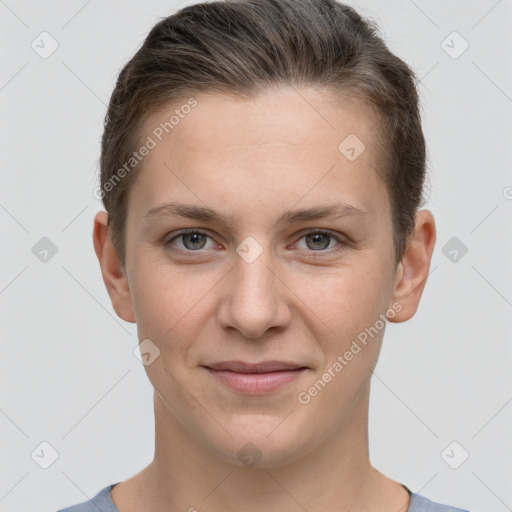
<point>319,240</point>
<point>192,240</point>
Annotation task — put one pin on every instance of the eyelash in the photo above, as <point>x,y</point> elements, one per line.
<point>341,242</point>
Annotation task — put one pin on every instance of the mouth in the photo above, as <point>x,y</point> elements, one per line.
<point>255,378</point>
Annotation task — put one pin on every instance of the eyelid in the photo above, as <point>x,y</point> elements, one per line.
<point>186,231</point>
<point>340,238</point>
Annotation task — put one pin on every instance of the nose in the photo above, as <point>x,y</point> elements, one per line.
<point>255,298</point>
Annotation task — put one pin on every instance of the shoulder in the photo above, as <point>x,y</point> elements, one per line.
<point>102,501</point>
<point>422,504</point>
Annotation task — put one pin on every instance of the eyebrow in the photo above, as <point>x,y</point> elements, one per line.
<point>190,211</point>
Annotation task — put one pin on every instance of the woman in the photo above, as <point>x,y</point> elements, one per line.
<point>262,169</point>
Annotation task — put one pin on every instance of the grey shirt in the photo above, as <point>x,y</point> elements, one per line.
<point>102,502</point>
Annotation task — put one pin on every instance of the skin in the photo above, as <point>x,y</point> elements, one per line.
<point>303,299</point>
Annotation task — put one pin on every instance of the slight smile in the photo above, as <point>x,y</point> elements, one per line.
<point>255,378</point>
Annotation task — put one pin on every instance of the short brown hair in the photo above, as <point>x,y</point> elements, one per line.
<point>241,47</point>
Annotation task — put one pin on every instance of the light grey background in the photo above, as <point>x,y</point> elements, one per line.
<point>68,373</point>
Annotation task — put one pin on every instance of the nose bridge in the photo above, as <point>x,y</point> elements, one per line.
<point>254,301</point>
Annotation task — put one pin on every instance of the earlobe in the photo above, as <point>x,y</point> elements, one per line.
<point>412,271</point>
<point>113,273</point>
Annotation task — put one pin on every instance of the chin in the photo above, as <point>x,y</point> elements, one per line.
<point>261,443</point>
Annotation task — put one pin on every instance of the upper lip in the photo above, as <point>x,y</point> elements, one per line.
<point>262,367</point>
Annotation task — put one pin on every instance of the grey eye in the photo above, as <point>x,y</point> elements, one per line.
<point>197,240</point>
<point>319,240</point>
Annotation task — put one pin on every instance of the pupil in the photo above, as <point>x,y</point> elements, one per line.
<point>195,236</point>
<point>317,239</point>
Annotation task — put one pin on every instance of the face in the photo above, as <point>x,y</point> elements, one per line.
<point>254,280</point>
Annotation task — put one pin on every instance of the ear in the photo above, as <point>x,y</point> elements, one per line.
<point>114,275</point>
<point>412,271</point>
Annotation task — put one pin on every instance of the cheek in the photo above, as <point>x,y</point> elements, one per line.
<point>350,306</point>
<point>170,303</point>
<point>156,306</point>
<point>337,302</point>
<point>347,299</point>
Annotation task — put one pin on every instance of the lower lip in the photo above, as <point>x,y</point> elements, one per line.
<point>256,383</point>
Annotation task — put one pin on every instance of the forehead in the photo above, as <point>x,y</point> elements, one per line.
<point>285,143</point>
<point>284,115</point>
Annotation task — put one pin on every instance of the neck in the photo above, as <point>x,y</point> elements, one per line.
<point>336,475</point>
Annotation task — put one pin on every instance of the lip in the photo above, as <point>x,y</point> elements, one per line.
<point>255,378</point>
<point>261,367</point>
